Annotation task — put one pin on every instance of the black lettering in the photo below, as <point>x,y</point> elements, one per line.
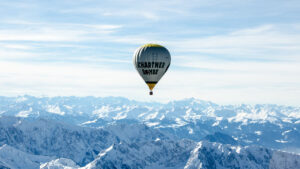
<point>144,71</point>
<point>150,71</point>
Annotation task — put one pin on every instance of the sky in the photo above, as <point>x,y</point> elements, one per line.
<point>225,51</point>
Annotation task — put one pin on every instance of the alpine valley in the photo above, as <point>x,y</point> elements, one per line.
<point>118,133</point>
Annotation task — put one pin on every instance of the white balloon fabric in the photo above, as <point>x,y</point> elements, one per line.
<point>151,61</point>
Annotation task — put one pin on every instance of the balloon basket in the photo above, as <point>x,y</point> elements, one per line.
<point>150,93</point>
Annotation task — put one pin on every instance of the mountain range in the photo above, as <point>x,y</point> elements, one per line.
<point>115,132</point>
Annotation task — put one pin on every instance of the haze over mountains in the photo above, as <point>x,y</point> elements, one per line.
<point>115,132</point>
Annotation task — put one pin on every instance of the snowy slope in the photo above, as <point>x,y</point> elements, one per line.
<point>61,163</point>
<point>204,155</point>
<point>16,159</point>
<point>154,154</point>
<point>208,155</point>
<point>50,138</point>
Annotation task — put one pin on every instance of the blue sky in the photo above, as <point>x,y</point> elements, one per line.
<point>226,51</point>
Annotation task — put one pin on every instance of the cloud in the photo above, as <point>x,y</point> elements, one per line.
<point>62,79</point>
<point>273,42</point>
<point>43,32</point>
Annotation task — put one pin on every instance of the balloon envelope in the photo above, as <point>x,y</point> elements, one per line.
<point>151,61</point>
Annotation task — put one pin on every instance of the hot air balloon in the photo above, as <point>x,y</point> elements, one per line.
<point>152,62</point>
